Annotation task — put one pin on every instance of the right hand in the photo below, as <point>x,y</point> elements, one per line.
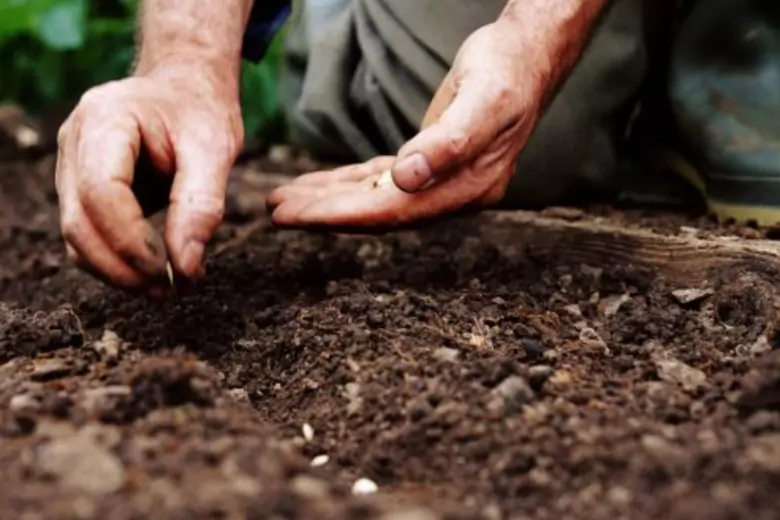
<point>186,121</point>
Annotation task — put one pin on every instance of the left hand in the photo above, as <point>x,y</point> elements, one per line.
<point>463,158</point>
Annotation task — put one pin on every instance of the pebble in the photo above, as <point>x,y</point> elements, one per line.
<point>239,395</point>
<point>446,354</point>
<point>109,345</point>
<point>309,487</point>
<point>561,377</point>
<point>761,346</point>
<point>688,296</point>
<point>538,374</point>
<point>50,369</point>
<point>511,394</point>
<point>610,306</point>
<point>764,452</point>
<point>411,514</point>
<point>81,464</point>
<point>104,398</point>
<point>364,486</point>
<point>677,372</point>
<point>590,338</point>
<point>23,403</point>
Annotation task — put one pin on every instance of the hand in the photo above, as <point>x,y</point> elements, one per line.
<point>186,122</point>
<point>464,156</point>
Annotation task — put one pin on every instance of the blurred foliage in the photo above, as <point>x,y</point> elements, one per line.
<point>51,51</point>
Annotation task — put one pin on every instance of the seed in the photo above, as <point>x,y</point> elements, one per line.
<point>364,486</point>
<point>169,269</point>
<point>308,432</point>
<point>386,179</point>
<point>319,460</point>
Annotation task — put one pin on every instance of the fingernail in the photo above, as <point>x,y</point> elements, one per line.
<point>192,258</point>
<point>412,173</point>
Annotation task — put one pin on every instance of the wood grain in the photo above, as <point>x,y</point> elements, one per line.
<point>681,259</point>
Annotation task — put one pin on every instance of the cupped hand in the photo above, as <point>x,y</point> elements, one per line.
<point>463,158</point>
<point>187,125</point>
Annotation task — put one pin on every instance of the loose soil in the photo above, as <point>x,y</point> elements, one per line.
<point>467,381</point>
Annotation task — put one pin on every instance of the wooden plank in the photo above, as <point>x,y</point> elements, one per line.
<point>682,259</point>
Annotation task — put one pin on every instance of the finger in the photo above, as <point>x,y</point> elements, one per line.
<point>91,253</point>
<point>367,208</point>
<point>466,127</point>
<point>351,173</point>
<point>292,192</point>
<point>197,202</point>
<point>107,152</point>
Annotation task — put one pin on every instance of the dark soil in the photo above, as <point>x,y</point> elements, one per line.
<point>464,381</point>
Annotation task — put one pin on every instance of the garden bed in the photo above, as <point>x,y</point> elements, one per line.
<point>508,365</point>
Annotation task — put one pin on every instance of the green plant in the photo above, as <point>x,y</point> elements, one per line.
<point>51,51</point>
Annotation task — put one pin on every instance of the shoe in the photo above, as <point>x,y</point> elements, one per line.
<point>724,90</point>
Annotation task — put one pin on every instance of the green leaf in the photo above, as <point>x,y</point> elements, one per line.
<point>64,26</point>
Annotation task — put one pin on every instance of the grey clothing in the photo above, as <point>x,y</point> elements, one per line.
<point>359,86</point>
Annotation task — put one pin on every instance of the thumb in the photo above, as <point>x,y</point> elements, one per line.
<point>197,204</point>
<point>464,129</point>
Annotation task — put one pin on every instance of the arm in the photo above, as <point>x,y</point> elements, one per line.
<point>174,32</point>
<point>557,30</point>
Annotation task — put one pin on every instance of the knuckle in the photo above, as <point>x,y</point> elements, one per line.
<point>457,144</point>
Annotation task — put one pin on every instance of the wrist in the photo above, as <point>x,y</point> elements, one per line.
<point>193,71</point>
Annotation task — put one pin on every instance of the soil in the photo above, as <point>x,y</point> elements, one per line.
<point>465,381</point>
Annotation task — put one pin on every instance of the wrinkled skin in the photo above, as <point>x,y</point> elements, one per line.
<point>189,126</point>
<point>463,158</point>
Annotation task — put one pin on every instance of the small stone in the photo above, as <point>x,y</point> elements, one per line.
<point>240,395</point>
<point>677,372</point>
<point>761,346</point>
<point>23,403</point>
<point>81,464</point>
<point>590,338</point>
<point>538,374</point>
<point>308,432</point>
<point>574,310</point>
<point>563,213</point>
<point>364,486</point>
<point>309,487</point>
<point>411,514</point>
<point>280,154</point>
<point>688,296</point>
<point>510,395</point>
<point>49,369</point>
<point>561,377</point>
<point>97,400</point>
<point>764,452</point>
<point>109,345</point>
<point>446,354</point>
<point>352,393</point>
<point>610,306</point>
<point>320,460</point>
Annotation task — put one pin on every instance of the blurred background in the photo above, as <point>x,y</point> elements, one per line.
<point>51,51</point>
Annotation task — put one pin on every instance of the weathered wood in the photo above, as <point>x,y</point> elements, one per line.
<point>681,259</point>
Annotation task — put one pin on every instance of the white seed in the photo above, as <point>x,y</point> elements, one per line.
<point>364,486</point>
<point>27,137</point>
<point>308,432</point>
<point>386,179</point>
<point>169,268</point>
<point>319,460</point>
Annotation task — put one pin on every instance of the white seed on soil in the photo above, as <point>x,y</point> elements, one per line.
<point>364,486</point>
<point>308,432</point>
<point>319,460</point>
